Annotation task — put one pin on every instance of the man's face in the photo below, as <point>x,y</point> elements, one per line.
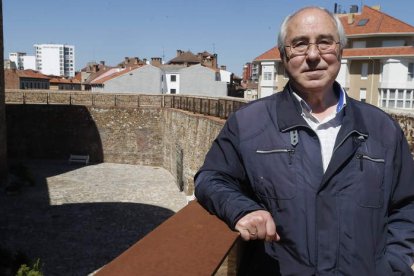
<point>312,72</point>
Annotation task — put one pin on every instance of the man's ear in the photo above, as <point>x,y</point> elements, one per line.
<point>340,54</point>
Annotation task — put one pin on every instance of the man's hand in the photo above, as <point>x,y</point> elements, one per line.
<point>257,225</point>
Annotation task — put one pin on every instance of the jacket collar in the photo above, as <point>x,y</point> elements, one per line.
<point>288,110</point>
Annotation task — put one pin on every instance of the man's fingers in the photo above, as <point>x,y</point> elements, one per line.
<point>271,234</point>
<point>246,235</point>
<point>257,225</point>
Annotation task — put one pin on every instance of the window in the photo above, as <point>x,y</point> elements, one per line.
<point>362,22</point>
<point>410,71</point>
<point>173,78</point>
<point>359,44</point>
<point>172,91</point>
<point>267,76</point>
<point>397,98</point>
<point>363,95</point>
<point>364,71</point>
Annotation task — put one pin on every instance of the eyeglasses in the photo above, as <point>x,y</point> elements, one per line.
<point>300,48</point>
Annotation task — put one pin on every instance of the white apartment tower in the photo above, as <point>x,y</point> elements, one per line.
<point>55,59</point>
<point>22,61</point>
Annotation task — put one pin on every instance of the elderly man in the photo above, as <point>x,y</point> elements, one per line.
<point>324,183</point>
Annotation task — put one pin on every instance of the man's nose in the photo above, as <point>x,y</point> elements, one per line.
<point>313,51</point>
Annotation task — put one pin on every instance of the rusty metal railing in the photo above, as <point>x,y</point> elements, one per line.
<point>192,242</point>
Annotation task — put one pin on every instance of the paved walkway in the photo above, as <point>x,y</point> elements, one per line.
<point>76,219</point>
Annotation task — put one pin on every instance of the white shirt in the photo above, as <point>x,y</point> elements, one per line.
<point>327,129</point>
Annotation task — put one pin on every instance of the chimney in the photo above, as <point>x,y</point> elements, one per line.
<point>126,59</point>
<point>351,18</point>
<point>144,61</point>
<point>179,53</point>
<point>102,63</point>
<point>156,61</point>
<point>223,67</point>
<point>353,9</point>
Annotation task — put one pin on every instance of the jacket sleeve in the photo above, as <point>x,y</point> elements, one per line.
<point>221,185</point>
<point>400,241</point>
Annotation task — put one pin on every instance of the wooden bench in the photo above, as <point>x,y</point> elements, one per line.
<point>79,159</point>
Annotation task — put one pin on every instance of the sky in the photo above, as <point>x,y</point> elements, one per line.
<point>109,30</point>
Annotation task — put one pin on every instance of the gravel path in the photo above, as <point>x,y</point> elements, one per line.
<point>78,218</point>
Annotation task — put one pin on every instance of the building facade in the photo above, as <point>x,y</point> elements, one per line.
<point>55,59</point>
<point>377,64</point>
<point>22,61</point>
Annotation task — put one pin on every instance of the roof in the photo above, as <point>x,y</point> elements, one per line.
<point>272,54</point>
<point>31,74</point>
<point>186,57</point>
<point>377,23</point>
<point>63,80</point>
<point>404,51</point>
<point>101,73</point>
<point>115,74</point>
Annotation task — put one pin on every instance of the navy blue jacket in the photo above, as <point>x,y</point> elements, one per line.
<point>357,218</point>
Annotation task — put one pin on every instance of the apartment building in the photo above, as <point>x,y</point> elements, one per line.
<point>377,64</point>
<point>22,61</point>
<point>55,59</point>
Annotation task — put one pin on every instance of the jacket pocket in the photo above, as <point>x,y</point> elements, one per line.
<point>276,178</point>
<point>371,180</point>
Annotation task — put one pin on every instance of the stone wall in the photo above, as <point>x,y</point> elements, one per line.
<point>186,140</point>
<point>175,139</point>
<point>117,135</point>
<point>406,121</point>
<point>129,129</point>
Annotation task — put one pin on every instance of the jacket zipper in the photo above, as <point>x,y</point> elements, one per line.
<point>346,137</point>
<point>289,151</point>
<point>361,158</point>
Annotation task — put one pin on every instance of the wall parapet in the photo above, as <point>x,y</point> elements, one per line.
<point>218,107</point>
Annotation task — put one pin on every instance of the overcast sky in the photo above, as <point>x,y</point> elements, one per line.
<point>109,30</point>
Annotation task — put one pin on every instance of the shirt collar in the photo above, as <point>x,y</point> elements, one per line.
<point>338,91</point>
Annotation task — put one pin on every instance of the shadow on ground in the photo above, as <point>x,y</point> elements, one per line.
<point>71,239</point>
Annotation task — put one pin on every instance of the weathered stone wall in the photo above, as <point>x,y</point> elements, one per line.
<point>406,121</point>
<point>118,135</point>
<point>127,129</point>
<point>187,138</point>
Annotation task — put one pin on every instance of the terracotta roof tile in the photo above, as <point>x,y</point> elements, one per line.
<point>31,74</point>
<point>272,54</point>
<point>63,80</point>
<point>378,22</point>
<point>100,74</point>
<point>188,57</point>
<point>115,74</point>
<point>379,52</point>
